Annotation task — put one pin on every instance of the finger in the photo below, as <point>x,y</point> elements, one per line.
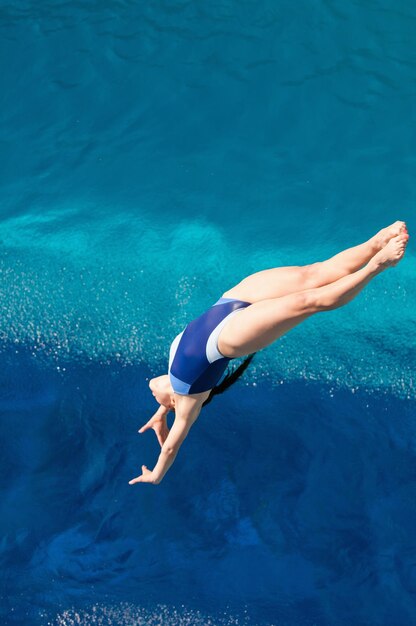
<point>145,427</point>
<point>135,480</point>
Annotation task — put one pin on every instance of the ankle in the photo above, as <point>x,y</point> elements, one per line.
<point>375,265</point>
<point>375,243</point>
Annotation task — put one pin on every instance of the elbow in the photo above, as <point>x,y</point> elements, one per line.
<point>169,451</point>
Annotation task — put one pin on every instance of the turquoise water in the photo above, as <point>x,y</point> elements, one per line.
<point>152,155</point>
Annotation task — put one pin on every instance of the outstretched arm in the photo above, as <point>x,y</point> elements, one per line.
<point>184,418</point>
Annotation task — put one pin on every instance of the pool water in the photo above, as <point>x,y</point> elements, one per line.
<point>152,155</point>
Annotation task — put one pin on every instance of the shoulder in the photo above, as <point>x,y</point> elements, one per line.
<point>190,405</point>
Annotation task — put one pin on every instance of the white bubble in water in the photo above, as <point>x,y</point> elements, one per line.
<point>126,614</point>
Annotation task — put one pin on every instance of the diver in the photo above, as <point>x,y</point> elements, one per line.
<point>247,318</point>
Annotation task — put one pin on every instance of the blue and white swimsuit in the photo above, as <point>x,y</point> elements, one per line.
<point>195,363</point>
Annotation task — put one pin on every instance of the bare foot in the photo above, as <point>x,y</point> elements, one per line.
<point>382,238</point>
<point>392,253</point>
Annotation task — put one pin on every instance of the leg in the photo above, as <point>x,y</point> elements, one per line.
<point>281,281</point>
<point>260,324</point>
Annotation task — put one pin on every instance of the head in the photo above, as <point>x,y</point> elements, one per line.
<point>162,390</point>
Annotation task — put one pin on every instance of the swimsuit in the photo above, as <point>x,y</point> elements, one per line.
<point>195,363</point>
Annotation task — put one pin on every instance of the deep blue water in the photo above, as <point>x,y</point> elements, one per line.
<point>153,154</point>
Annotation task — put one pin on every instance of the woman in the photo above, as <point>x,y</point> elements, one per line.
<point>249,317</point>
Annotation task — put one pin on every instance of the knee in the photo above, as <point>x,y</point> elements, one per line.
<point>306,301</point>
<point>314,300</point>
<point>311,275</point>
<point>323,300</point>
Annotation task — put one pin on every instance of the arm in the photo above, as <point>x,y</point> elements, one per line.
<point>185,417</point>
<point>159,424</point>
<point>170,448</point>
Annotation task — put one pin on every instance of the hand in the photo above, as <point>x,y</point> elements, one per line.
<point>146,477</point>
<point>159,424</point>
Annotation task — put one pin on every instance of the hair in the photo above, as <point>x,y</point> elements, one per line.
<point>230,378</point>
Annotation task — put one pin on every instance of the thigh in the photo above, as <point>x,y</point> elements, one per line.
<point>258,325</point>
<point>272,283</point>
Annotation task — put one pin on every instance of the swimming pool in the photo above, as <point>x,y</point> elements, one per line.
<point>152,155</point>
